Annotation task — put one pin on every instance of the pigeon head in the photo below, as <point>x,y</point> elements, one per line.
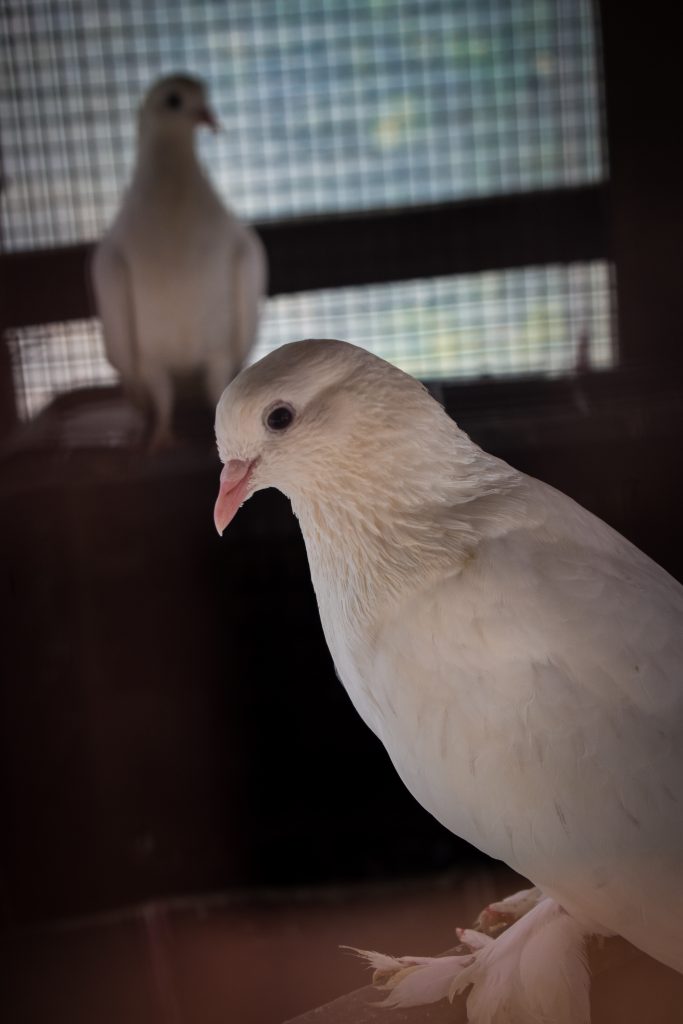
<point>325,421</point>
<point>174,106</point>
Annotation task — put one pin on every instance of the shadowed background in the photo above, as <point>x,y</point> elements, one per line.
<point>486,194</point>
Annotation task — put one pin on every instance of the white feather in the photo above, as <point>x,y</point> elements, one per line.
<point>472,938</point>
<point>535,972</point>
<point>520,661</point>
<point>412,980</point>
<point>178,279</point>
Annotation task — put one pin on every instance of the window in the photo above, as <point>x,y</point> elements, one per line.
<point>328,107</point>
<point>536,320</point>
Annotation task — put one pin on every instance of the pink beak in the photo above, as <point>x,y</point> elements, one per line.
<point>232,492</point>
<point>207,116</point>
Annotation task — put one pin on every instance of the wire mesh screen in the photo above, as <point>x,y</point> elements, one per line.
<point>55,358</point>
<point>327,106</point>
<point>540,320</point>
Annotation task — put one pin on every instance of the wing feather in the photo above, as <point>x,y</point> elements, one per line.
<point>250,277</point>
<point>547,722</point>
<point>115,305</point>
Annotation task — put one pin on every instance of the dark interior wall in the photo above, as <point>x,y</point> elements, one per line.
<point>643,98</point>
<point>170,719</point>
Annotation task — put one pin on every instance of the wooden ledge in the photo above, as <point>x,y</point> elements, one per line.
<point>627,987</point>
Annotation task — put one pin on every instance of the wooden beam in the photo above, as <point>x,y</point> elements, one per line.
<point>52,285</point>
<point>626,987</point>
<point>452,238</point>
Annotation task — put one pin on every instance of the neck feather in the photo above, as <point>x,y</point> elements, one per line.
<point>164,157</point>
<point>387,526</point>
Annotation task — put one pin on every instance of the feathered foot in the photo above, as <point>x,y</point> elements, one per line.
<point>498,916</point>
<point>535,973</point>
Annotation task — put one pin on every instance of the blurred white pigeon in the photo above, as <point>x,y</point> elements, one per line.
<point>519,659</point>
<point>178,279</point>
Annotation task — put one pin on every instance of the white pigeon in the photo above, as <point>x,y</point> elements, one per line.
<point>178,279</point>
<point>519,659</point>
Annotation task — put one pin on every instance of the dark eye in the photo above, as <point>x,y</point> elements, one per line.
<point>173,100</point>
<point>280,417</point>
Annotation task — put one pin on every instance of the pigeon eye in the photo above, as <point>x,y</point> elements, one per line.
<point>173,100</point>
<point>280,417</point>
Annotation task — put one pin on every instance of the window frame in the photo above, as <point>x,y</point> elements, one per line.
<point>639,201</point>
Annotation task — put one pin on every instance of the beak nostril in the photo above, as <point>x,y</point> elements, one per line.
<point>233,471</point>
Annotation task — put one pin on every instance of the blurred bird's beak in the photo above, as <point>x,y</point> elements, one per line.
<point>232,491</point>
<point>206,116</point>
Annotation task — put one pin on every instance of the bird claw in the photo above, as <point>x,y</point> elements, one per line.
<point>537,971</point>
<point>492,922</point>
<point>499,915</point>
<point>474,940</point>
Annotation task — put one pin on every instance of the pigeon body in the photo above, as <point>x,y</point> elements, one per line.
<point>520,660</point>
<point>178,278</point>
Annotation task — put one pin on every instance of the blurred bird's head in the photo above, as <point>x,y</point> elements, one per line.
<point>325,421</point>
<point>174,107</point>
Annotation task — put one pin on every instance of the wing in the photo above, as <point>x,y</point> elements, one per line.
<point>113,296</point>
<point>542,687</point>
<point>249,270</point>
